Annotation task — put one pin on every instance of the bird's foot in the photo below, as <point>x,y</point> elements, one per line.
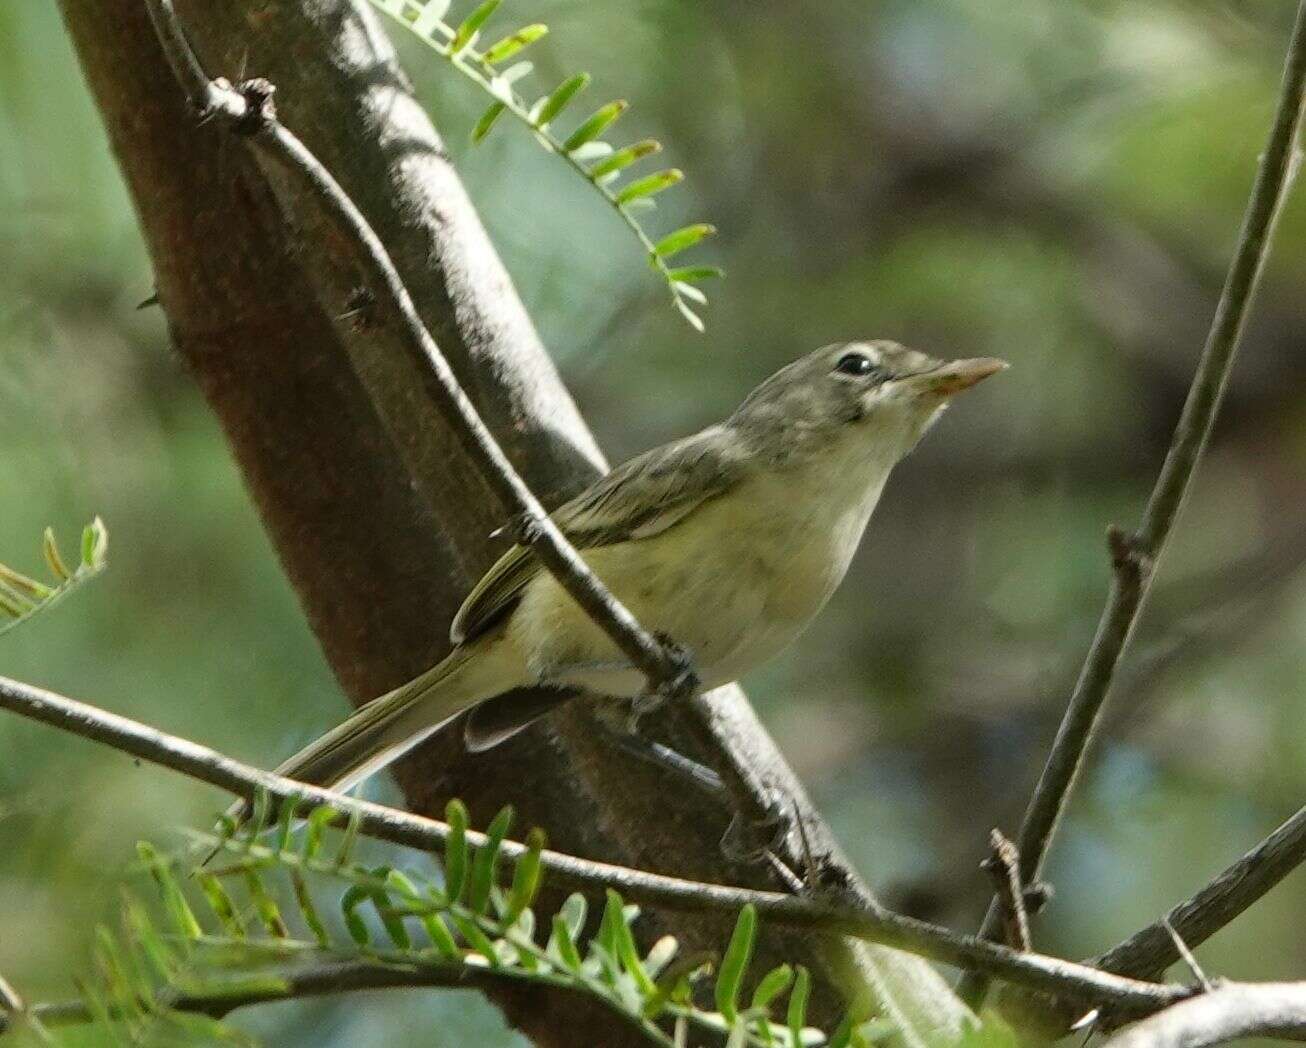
<point>754,839</point>
<point>680,683</point>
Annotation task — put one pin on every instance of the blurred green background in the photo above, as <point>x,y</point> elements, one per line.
<point>1058,183</point>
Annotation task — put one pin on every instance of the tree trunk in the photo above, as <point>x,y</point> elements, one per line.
<point>378,517</point>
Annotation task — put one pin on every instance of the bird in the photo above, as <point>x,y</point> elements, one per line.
<point>729,542</point>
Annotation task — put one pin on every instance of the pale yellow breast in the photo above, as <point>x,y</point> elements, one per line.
<point>735,582</point>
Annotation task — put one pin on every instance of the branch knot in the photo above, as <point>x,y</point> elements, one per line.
<point>1130,561</point>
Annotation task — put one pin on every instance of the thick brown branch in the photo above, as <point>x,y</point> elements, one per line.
<point>1134,556</point>
<point>249,113</point>
<point>379,517</point>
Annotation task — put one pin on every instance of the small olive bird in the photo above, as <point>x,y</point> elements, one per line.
<point>728,542</point>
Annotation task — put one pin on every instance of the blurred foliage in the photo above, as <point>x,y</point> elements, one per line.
<point>280,907</point>
<point>22,597</point>
<point>1057,183</point>
<point>584,149</point>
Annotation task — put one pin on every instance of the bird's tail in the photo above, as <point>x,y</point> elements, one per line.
<point>389,726</point>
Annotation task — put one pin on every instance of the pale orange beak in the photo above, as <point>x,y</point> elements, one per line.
<point>957,375</point>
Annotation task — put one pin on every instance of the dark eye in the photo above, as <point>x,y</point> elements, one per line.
<point>855,364</point>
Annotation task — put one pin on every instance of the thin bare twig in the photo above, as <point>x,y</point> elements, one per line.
<point>1122,997</point>
<point>1188,957</point>
<point>1150,951</point>
<point>1134,556</point>
<point>1003,866</point>
<point>248,111</point>
<point>1227,1013</point>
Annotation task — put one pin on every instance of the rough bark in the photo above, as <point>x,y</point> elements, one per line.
<point>378,518</point>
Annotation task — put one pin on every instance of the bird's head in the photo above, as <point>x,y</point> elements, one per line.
<point>877,394</point>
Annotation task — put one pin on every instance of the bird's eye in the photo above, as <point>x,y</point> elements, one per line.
<point>858,364</point>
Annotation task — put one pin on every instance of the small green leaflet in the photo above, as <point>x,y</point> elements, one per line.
<point>504,49</point>
<point>595,125</point>
<point>650,184</point>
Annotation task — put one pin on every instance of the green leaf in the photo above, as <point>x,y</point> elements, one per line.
<point>170,891</point>
<point>53,557</point>
<point>353,898</point>
<point>262,809</point>
<point>735,963</point>
<point>511,45</point>
<point>693,274</point>
<point>115,976</point>
<point>221,904</point>
<point>560,99</point>
<point>485,864</point>
<point>95,545</point>
<point>385,909</point>
<point>624,943</point>
<point>650,184</point>
<point>574,910</point>
<point>487,121</point>
<point>563,944</point>
<point>623,158</point>
<point>318,820</point>
<point>308,908</point>
<point>476,938</point>
<point>23,585</point>
<point>796,1017</point>
<point>597,123</point>
<point>441,937</point>
<point>286,823</point>
<point>471,25</point>
<point>268,912</point>
<point>150,944</point>
<point>685,237</point>
<point>843,1035</point>
<point>349,838</point>
<point>99,1009</point>
<point>455,850</point>
<point>12,604</point>
<point>606,945</point>
<point>526,877</point>
<point>773,984</point>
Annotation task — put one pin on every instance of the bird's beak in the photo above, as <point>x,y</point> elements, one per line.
<point>951,378</point>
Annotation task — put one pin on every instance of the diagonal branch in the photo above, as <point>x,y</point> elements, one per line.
<point>378,514</point>
<point>248,111</point>
<point>1135,556</point>
<point>1121,997</point>
<point>1152,950</point>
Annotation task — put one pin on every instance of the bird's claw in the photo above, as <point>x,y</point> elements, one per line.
<point>680,683</point>
<point>749,840</point>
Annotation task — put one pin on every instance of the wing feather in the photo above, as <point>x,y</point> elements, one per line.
<point>637,500</point>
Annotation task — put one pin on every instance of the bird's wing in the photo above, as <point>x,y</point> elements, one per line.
<point>641,498</point>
